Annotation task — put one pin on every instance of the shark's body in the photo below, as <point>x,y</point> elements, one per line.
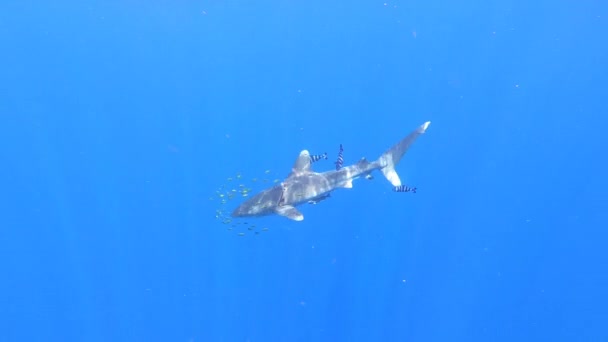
<point>303,185</point>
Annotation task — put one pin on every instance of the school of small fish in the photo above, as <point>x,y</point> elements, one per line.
<point>235,188</point>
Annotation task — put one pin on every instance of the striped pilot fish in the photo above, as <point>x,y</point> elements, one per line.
<point>317,157</point>
<point>340,161</point>
<point>404,188</point>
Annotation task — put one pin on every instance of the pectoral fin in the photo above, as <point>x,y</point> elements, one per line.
<point>290,212</point>
<point>348,184</point>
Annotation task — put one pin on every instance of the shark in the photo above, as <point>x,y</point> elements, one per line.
<point>303,185</point>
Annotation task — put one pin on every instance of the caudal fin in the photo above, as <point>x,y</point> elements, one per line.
<point>389,159</point>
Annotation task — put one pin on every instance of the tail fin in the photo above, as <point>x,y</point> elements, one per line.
<point>390,158</point>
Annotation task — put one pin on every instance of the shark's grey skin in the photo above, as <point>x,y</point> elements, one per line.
<point>303,185</point>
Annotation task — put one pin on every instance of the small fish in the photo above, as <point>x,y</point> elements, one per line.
<point>404,188</point>
<point>340,161</point>
<point>319,199</point>
<point>317,157</point>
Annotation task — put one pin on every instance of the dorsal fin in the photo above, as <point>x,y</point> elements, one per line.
<point>362,163</point>
<point>302,164</point>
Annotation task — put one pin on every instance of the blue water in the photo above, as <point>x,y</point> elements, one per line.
<point>119,121</point>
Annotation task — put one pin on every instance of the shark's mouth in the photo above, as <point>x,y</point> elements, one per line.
<point>261,204</point>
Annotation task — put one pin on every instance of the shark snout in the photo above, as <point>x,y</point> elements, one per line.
<point>238,212</point>
<point>243,210</point>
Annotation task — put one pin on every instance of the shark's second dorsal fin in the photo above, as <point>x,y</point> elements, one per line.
<point>302,164</point>
<point>362,163</point>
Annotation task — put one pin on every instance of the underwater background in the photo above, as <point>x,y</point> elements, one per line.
<point>125,126</point>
